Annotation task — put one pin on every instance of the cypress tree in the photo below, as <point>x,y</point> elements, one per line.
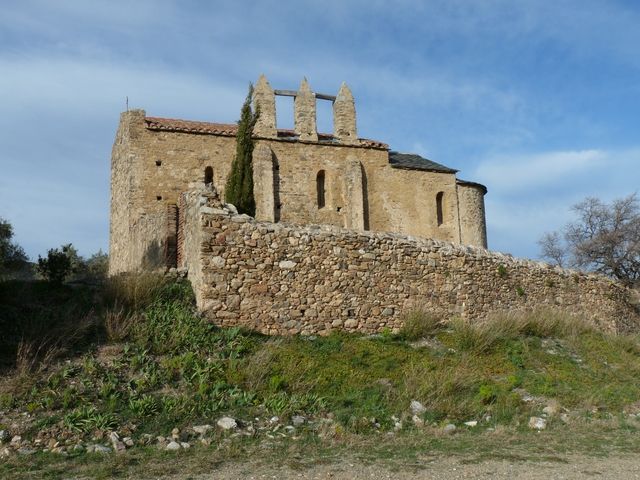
<point>239,188</point>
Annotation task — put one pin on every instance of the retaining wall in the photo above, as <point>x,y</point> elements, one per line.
<point>285,279</point>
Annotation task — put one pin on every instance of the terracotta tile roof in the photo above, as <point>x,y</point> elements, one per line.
<point>189,126</point>
<point>230,129</point>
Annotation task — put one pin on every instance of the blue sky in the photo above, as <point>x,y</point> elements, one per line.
<point>538,100</point>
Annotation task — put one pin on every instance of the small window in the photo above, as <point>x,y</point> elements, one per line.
<point>158,163</point>
<point>158,197</point>
<point>208,175</point>
<point>439,214</point>
<point>320,188</point>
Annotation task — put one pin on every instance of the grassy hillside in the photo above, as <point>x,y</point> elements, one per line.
<point>133,357</point>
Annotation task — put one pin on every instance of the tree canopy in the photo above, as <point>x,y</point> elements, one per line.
<point>604,238</point>
<point>12,256</point>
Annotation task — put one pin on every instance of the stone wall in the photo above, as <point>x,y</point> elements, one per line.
<point>286,279</point>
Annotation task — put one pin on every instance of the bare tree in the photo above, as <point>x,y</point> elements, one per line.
<point>553,249</point>
<point>604,238</point>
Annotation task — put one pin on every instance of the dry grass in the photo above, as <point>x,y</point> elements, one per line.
<point>134,291</point>
<point>419,323</point>
<point>482,337</point>
<point>118,323</point>
<point>40,352</point>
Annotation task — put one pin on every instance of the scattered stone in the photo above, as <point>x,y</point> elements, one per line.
<point>287,264</point>
<point>173,446</point>
<point>5,452</point>
<point>417,421</point>
<point>564,417</point>
<point>274,419</point>
<point>227,423</point>
<point>202,429</point>
<point>78,447</point>
<point>417,408</point>
<point>185,445</point>
<point>101,449</point>
<point>128,441</point>
<point>4,436</point>
<point>175,433</point>
<point>16,440</point>
<point>537,423</point>
<point>26,451</point>
<point>116,443</point>
<point>146,438</point>
<point>471,423</point>
<point>298,420</point>
<point>449,428</point>
<point>385,382</point>
<point>551,409</point>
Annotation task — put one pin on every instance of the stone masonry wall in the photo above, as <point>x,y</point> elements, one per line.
<point>286,279</point>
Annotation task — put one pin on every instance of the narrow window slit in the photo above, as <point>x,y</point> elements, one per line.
<point>320,189</point>
<point>439,213</point>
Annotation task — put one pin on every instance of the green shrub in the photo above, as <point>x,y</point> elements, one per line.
<point>56,267</point>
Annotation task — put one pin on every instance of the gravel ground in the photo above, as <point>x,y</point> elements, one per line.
<point>567,468</point>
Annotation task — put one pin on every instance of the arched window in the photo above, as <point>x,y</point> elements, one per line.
<point>208,175</point>
<point>439,214</point>
<point>320,188</point>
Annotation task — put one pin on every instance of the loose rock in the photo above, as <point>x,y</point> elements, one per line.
<point>537,423</point>
<point>417,408</point>
<point>173,446</point>
<point>227,423</point>
<point>417,421</point>
<point>298,420</point>
<point>449,428</point>
<point>202,429</point>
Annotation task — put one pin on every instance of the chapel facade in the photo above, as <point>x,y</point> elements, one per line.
<point>301,176</point>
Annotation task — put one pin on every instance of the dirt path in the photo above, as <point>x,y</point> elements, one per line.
<point>567,468</point>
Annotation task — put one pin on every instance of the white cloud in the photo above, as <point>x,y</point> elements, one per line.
<point>508,174</point>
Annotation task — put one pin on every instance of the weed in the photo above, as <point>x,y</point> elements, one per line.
<point>502,271</point>
<point>144,406</point>
<point>418,323</point>
<point>87,418</point>
<point>133,292</point>
<point>118,323</point>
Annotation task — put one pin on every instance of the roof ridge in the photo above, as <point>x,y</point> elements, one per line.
<point>228,129</point>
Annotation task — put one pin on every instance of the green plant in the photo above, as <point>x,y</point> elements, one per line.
<point>88,418</point>
<point>239,187</point>
<point>144,406</point>
<point>488,393</point>
<point>520,291</point>
<point>502,271</point>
